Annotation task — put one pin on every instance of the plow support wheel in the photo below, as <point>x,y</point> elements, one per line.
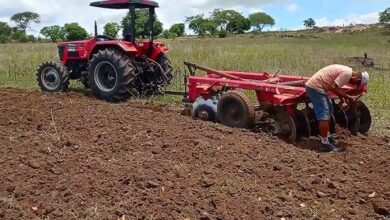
<point>235,110</point>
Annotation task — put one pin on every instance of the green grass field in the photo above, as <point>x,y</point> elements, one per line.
<point>267,52</point>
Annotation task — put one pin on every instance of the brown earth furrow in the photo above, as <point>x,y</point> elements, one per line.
<point>69,156</point>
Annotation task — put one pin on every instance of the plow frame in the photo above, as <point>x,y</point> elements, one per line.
<point>276,90</point>
<point>279,95</point>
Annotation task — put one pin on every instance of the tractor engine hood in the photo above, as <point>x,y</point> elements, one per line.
<point>79,42</point>
<point>125,4</point>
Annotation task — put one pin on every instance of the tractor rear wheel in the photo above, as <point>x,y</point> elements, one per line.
<point>53,76</point>
<point>112,76</point>
<point>166,66</point>
<point>235,110</point>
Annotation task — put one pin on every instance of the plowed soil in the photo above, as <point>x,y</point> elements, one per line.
<point>70,156</point>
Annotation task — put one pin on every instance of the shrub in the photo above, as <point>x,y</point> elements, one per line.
<point>3,39</point>
<point>222,34</point>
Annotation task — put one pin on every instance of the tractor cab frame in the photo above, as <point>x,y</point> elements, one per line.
<point>132,5</point>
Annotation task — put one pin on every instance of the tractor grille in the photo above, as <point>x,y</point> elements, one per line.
<point>61,52</point>
<point>73,54</point>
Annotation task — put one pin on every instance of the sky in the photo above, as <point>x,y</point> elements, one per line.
<point>288,14</point>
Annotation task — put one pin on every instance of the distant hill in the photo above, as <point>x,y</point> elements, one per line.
<point>349,28</point>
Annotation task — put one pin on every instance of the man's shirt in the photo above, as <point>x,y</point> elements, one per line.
<point>324,78</point>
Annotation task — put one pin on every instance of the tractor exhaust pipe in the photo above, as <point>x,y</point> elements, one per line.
<point>96,29</point>
<point>132,23</point>
<point>152,18</point>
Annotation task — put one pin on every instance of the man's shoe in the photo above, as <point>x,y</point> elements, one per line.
<point>333,140</point>
<point>327,148</point>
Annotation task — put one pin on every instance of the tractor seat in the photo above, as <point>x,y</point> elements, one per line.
<point>103,38</point>
<point>127,37</point>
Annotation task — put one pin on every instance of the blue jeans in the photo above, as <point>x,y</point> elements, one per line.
<point>323,108</point>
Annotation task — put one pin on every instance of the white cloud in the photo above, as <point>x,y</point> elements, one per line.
<point>350,19</point>
<point>292,7</point>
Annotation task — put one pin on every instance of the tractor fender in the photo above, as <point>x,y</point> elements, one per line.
<point>125,47</point>
<point>158,49</point>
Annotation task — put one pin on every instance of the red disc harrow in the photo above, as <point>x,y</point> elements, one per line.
<point>222,96</point>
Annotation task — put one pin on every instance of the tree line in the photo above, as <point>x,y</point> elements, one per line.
<point>219,23</point>
<point>18,32</point>
<point>23,20</point>
<point>224,22</point>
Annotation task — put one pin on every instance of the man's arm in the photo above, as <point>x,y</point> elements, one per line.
<point>340,93</point>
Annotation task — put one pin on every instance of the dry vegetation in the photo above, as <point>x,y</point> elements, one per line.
<point>267,52</point>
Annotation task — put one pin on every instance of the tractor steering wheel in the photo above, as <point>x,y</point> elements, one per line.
<point>103,38</point>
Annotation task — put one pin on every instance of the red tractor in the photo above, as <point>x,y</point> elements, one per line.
<point>114,70</point>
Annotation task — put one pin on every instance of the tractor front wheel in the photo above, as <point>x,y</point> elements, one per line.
<point>53,76</point>
<point>112,76</point>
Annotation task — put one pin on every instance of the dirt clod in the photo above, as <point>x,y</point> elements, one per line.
<point>382,207</point>
<point>152,184</point>
<point>321,194</point>
<point>372,195</point>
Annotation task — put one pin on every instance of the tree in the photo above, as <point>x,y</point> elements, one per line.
<point>5,32</point>
<point>166,34</point>
<point>5,29</point>
<point>111,29</point>
<point>259,20</point>
<point>210,27</point>
<point>24,19</point>
<point>3,39</point>
<point>74,31</point>
<point>31,38</point>
<point>384,16</point>
<point>141,24</point>
<point>230,21</point>
<point>18,35</point>
<point>200,25</point>
<point>54,33</point>
<point>239,25</point>
<point>309,23</point>
<point>177,29</point>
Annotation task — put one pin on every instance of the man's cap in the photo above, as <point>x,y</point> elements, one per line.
<point>365,78</point>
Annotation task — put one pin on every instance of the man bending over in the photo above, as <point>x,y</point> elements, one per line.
<point>331,78</point>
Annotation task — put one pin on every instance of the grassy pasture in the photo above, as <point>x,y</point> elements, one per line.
<point>267,52</point>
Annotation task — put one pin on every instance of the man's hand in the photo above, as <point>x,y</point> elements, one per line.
<point>352,99</point>
<point>342,95</point>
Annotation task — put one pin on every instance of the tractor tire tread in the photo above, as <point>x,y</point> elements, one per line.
<point>166,65</point>
<point>62,70</point>
<point>125,87</point>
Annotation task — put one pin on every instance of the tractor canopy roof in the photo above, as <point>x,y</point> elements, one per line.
<point>125,4</point>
